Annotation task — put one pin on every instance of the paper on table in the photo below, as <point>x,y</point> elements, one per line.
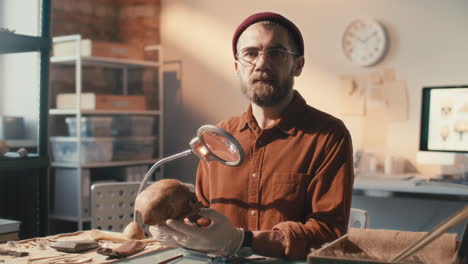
<point>352,96</point>
<point>49,255</point>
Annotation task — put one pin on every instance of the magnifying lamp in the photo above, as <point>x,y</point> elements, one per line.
<point>211,143</point>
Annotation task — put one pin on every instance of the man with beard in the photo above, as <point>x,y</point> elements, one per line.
<point>293,190</point>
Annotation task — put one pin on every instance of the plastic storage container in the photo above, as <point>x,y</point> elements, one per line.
<point>132,126</point>
<point>11,127</point>
<point>134,148</point>
<point>93,150</point>
<point>66,191</point>
<point>91,126</point>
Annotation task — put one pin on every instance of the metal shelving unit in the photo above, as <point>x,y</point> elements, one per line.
<point>122,64</point>
<point>101,112</point>
<point>104,164</point>
<point>109,62</point>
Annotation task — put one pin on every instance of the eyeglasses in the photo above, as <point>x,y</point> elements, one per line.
<point>248,57</point>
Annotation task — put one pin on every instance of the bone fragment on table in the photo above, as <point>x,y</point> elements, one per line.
<point>127,248</point>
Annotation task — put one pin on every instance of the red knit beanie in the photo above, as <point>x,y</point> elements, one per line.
<point>269,16</point>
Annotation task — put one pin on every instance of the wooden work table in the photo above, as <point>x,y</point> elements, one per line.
<point>39,252</point>
<point>189,258</point>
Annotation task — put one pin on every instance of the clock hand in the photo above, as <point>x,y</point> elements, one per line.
<point>371,35</point>
<point>358,37</point>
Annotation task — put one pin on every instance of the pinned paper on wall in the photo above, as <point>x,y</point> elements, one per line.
<point>376,90</point>
<point>375,130</point>
<point>352,95</point>
<point>375,78</point>
<point>388,75</point>
<point>376,97</point>
<point>375,93</point>
<point>381,98</point>
<point>396,96</point>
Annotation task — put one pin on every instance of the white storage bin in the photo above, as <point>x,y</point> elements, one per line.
<point>93,150</point>
<point>91,126</point>
<point>134,148</point>
<point>132,126</point>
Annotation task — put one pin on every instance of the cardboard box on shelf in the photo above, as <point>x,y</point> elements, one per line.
<point>99,49</point>
<point>92,101</point>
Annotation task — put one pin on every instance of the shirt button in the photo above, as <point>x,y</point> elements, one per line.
<point>254,175</point>
<point>253,212</point>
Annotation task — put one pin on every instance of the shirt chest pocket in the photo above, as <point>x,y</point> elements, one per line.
<point>289,186</point>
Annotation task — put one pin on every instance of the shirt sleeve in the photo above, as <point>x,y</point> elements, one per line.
<point>329,195</point>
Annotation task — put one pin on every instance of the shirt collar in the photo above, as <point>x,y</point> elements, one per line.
<point>286,123</point>
<point>247,120</point>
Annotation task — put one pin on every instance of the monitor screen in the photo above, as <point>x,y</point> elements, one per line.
<point>444,119</point>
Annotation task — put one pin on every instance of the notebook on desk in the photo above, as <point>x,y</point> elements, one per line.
<point>9,230</point>
<point>9,226</point>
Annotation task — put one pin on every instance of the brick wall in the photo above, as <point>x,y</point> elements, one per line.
<point>130,21</point>
<point>138,21</point>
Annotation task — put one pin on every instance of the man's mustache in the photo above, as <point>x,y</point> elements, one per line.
<point>263,76</point>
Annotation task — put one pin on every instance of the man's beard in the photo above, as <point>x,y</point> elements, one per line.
<point>264,90</point>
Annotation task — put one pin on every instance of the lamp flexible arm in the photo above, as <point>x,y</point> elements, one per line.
<point>159,163</point>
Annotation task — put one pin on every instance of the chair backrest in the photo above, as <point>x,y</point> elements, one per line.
<point>112,204</point>
<point>358,218</point>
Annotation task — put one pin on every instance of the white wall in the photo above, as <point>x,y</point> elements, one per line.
<point>428,47</point>
<point>19,74</point>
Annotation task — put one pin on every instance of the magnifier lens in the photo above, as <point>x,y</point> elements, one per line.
<point>220,146</point>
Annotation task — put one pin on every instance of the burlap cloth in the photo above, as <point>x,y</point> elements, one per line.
<point>52,256</point>
<point>383,245</point>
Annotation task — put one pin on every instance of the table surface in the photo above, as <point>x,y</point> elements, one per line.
<point>403,184</point>
<point>162,256</point>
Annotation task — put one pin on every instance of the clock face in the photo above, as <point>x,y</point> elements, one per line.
<point>364,42</point>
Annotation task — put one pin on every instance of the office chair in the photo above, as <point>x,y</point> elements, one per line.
<point>112,204</point>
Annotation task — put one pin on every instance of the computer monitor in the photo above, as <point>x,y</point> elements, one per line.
<point>444,119</point>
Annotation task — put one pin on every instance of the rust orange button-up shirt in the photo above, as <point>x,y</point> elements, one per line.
<point>297,176</point>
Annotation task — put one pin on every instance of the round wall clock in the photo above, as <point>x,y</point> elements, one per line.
<point>365,41</point>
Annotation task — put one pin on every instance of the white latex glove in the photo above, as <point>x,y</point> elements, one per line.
<point>163,237</point>
<point>220,237</point>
